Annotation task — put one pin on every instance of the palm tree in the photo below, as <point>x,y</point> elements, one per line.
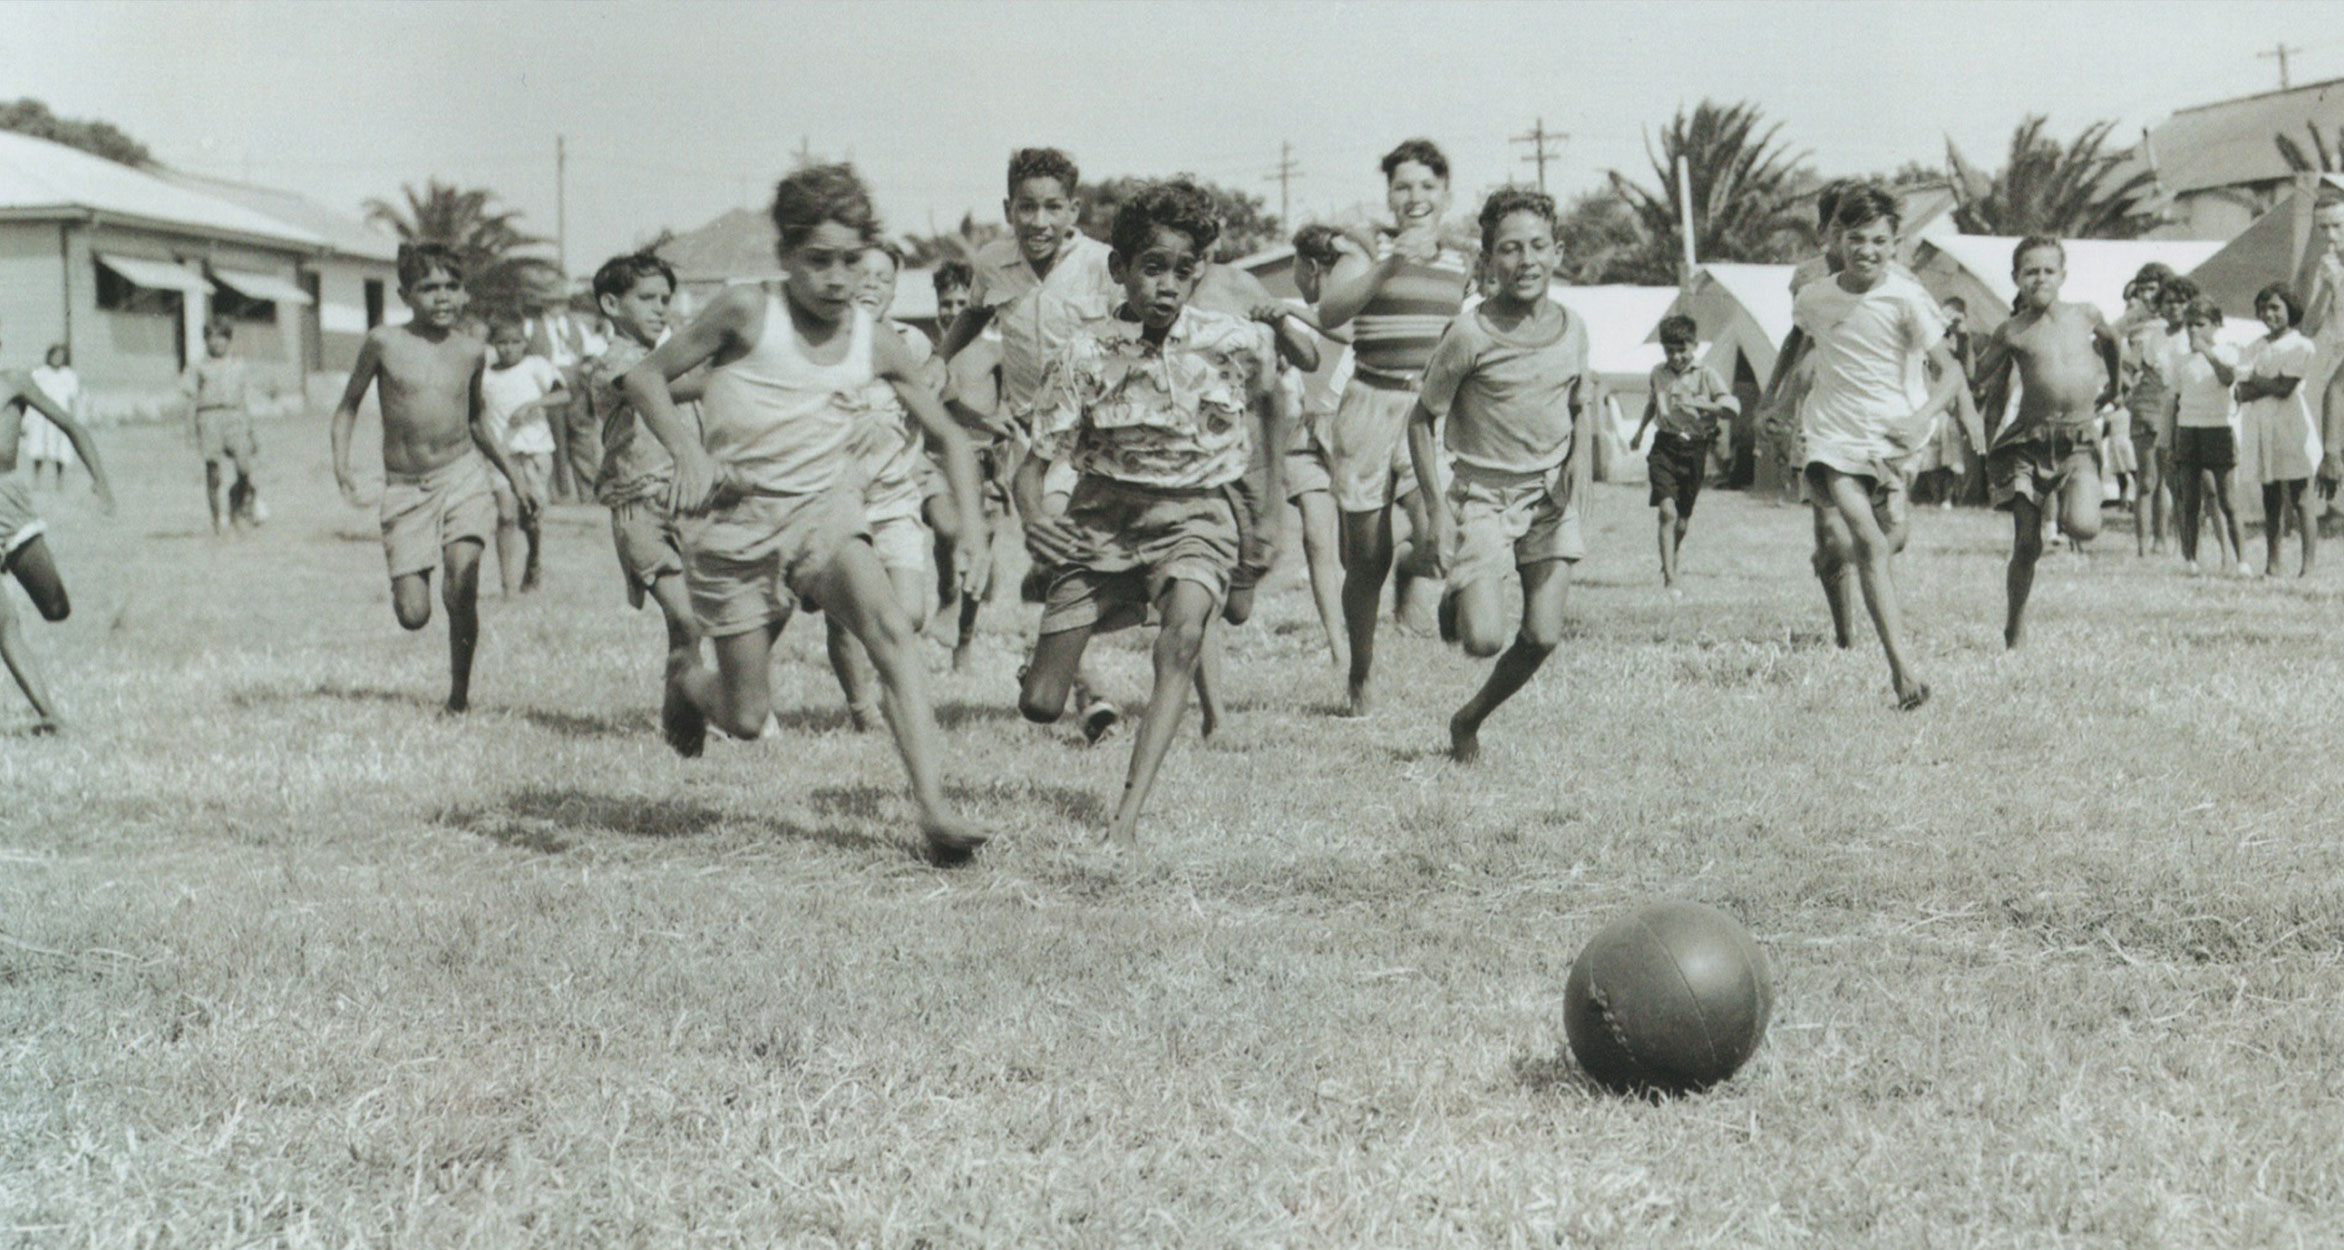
<point>500,273</point>
<point>926,251</point>
<point>2067,191</point>
<point>2325,156</point>
<point>1744,182</point>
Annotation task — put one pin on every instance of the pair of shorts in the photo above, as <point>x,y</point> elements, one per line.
<point>648,544</point>
<point>1256,552</point>
<point>532,467</point>
<point>225,434</point>
<point>2039,468</point>
<point>1507,521</point>
<point>1367,446</point>
<point>423,514</point>
<point>1677,467</point>
<point>1306,471</point>
<point>19,524</point>
<point>748,566</point>
<point>1136,541</point>
<point>2205,448</point>
<point>901,542</point>
<point>1891,497</point>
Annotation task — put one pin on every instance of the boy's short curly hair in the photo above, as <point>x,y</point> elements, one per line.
<point>1827,201</point>
<point>2034,242</point>
<point>1026,164</point>
<point>2285,294</point>
<point>619,274</point>
<point>1316,244</point>
<point>953,274</point>
<point>1422,151</point>
<point>1677,330</point>
<point>1507,201</point>
<point>820,193</point>
<point>503,320</point>
<point>417,260</point>
<point>2179,287</point>
<point>1863,203</point>
<point>1173,204</point>
<point>2202,309</point>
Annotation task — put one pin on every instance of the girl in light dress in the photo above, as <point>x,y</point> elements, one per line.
<point>2279,435</point>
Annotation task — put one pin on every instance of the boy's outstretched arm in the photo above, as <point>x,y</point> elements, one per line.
<point>895,362</point>
<point>965,328</point>
<point>1949,383</point>
<point>75,432</point>
<point>494,448</point>
<point>1651,414</point>
<point>648,387</point>
<point>362,374</point>
<point>2111,349</point>
<point>1354,280</point>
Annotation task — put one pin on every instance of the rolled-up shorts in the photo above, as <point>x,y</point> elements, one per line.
<point>1136,541</point>
<point>225,434</point>
<point>1677,467</point>
<point>19,524</point>
<point>648,543</point>
<point>748,566</point>
<point>423,514</point>
<point>1505,521</point>
<point>1305,469</point>
<point>1367,446</point>
<point>2206,448</point>
<point>1891,500</point>
<point>901,543</point>
<point>2039,468</point>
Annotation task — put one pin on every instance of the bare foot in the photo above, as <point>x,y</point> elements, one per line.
<point>1911,694</point>
<point>951,839</point>
<point>1123,835</point>
<point>1099,719</point>
<point>1208,717</point>
<point>456,705</point>
<point>680,720</point>
<point>961,656</point>
<point>1464,740</point>
<point>1361,699</point>
<point>48,727</point>
<point>862,716</point>
<point>2014,636</point>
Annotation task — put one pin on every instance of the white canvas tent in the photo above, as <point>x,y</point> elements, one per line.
<point>1621,322</point>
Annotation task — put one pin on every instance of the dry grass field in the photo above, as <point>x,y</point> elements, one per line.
<point>286,958</point>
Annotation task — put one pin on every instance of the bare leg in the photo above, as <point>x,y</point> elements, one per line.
<point>1186,608</point>
<point>411,600</point>
<point>1871,558</point>
<point>1671,533</point>
<point>1416,593</point>
<point>1367,560</point>
<point>37,573</point>
<point>532,532</point>
<point>847,658</point>
<point>2191,488</point>
<point>2026,547</point>
<point>1546,589</point>
<point>508,542</point>
<point>1211,711</point>
<point>943,522</point>
<point>856,589</point>
<point>2305,502</point>
<point>2226,529</point>
<point>1831,569</point>
<point>211,490</point>
<point>683,630</point>
<point>1322,554</point>
<point>2148,502</point>
<point>2274,525</point>
<point>460,591</point>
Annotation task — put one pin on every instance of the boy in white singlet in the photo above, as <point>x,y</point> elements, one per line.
<point>772,483</point>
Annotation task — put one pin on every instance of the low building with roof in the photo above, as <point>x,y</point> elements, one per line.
<point>2219,164</point>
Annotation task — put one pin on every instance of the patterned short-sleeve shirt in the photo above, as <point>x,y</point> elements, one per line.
<point>1176,417</point>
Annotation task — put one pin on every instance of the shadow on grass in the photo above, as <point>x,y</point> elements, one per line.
<point>575,725</point>
<point>1082,807</point>
<point>547,821</point>
<point>1553,1072</point>
<point>336,690</point>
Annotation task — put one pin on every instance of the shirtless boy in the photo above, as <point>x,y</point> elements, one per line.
<point>23,551</point>
<point>437,503</point>
<point>2047,456</point>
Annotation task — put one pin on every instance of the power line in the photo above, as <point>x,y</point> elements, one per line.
<point>2280,51</point>
<point>1288,170</point>
<point>1537,138</point>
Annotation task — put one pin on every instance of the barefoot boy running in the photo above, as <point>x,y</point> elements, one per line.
<point>637,474</point>
<point>1868,327</point>
<point>772,484</point>
<point>2046,458</point>
<point>1153,406</point>
<point>23,551</point>
<point>1507,376</point>
<point>1694,410</point>
<point>438,454</point>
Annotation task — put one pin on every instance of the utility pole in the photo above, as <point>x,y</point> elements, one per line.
<point>2280,52</point>
<point>561,205</point>
<point>805,150</point>
<point>1287,171</point>
<point>1538,138</point>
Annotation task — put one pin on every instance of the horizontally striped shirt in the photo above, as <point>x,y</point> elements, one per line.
<point>1395,333</point>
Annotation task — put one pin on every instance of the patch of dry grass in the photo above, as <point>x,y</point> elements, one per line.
<point>290,960</point>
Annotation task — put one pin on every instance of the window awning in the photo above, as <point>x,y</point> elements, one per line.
<point>155,275</point>
<point>260,286</point>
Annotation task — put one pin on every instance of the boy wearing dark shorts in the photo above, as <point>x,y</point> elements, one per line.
<point>1693,409</point>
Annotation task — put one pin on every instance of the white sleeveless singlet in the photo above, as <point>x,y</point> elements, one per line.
<point>780,423</point>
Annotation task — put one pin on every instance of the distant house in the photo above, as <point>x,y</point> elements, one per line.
<point>2281,246</point>
<point>125,266</point>
<point>738,248</point>
<point>2220,164</point>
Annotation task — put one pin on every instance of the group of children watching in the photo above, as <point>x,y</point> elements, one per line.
<point>1143,408</point>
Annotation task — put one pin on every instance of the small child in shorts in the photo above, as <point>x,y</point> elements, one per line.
<point>635,291</point>
<point>1508,377</point>
<point>2205,435</point>
<point>519,395</point>
<point>1694,411</point>
<point>219,416</point>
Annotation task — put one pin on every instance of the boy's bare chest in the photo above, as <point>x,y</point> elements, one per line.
<point>424,371</point>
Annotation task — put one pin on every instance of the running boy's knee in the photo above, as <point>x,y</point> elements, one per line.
<point>1181,641</point>
<point>1238,609</point>
<point>2026,540</point>
<point>2081,525</point>
<point>51,602</point>
<point>1478,640</point>
<point>1036,704</point>
<point>412,616</point>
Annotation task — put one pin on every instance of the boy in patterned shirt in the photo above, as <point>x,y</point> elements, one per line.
<point>1154,405</point>
<point>1694,410</point>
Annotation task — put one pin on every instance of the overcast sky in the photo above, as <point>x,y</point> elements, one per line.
<point>676,112</point>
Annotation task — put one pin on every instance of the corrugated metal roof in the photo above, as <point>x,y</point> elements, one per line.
<point>2233,141</point>
<point>343,233</point>
<point>40,179</point>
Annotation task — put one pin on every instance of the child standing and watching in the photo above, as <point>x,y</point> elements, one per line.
<point>439,454</point>
<point>219,417</point>
<point>637,474</point>
<point>1694,410</point>
<point>772,484</point>
<point>1869,328</point>
<point>2272,400</point>
<point>44,442</point>
<point>2205,444</point>
<point>2045,458</point>
<point>519,396</point>
<point>1154,407</point>
<point>1508,377</point>
<point>2150,321</point>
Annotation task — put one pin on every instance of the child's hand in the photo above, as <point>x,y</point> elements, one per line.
<point>1444,539</point>
<point>694,489</point>
<point>1420,243</point>
<point>525,495</point>
<point>1636,440</point>
<point>1053,540</point>
<point>1269,314</point>
<point>105,493</point>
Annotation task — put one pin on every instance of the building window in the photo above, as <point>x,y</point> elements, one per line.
<point>374,302</point>
<point>233,304</point>
<point>119,294</point>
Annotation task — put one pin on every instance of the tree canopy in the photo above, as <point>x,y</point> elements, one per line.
<point>29,116</point>
<point>503,270</point>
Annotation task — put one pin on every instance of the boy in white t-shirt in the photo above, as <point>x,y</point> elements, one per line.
<point>2205,436</point>
<point>518,392</point>
<point>1870,328</point>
